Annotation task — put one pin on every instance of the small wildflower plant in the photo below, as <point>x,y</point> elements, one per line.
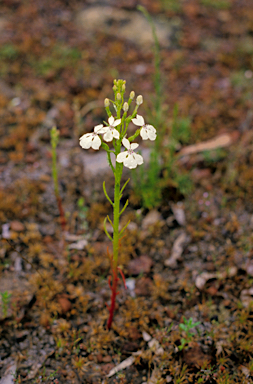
<point>186,326</point>
<point>115,131</point>
<point>6,296</point>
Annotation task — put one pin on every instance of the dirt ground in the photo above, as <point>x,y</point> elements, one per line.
<point>188,260</point>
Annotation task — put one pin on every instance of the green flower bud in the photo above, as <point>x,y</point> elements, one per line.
<point>54,133</point>
<point>118,96</point>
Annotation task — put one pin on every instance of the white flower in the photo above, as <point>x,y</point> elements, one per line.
<point>92,140</point>
<point>110,131</point>
<point>129,158</point>
<point>147,131</point>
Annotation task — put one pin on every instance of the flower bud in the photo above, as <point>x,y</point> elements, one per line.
<point>139,100</point>
<point>107,102</point>
<point>132,94</point>
<point>125,107</point>
<point>123,87</point>
<point>54,133</point>
<point>118,96</point>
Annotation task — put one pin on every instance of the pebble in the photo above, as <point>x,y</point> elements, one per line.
<point>139,265</point>
<point>17,226</point>
<point>151,218</point>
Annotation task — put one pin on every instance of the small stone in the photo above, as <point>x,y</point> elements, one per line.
<point>212,290</point>
<point>176,251</point>
<point>134,334</point>
<point>107,359</point>
<point>17,226</point>
<point>151,219</point>
<point>195,356</point>
<point>48,229</point>
<point>65,304</point>
<point>80,245</point>
<point>146,336</point>
<point>143,286</point>
<point>139,265</point>
<point>201,280</point>
<point>107,368</point>
<point>200,174</point>
<point>249,269</point>
<point>179,213</point>
<point>99,358</point>
<point>18,264</point>
<point>6,231</point>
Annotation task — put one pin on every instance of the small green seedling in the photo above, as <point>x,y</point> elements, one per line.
<point>43,378</point>
<point>5,302</point>
<point>185,327</point>
<point>54,134</point>
<point>82,212</point>
<point>163,171</point>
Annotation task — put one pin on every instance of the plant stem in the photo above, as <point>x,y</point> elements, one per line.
<point>56,187</point>
<point>113,297</point>
<point>118,173</point>
<point>61,211</point>
<point>114,261</point>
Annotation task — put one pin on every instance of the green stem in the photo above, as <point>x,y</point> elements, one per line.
<point>116,213</point>
<point>54,171</point>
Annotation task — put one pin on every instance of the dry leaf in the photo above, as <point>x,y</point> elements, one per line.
<point>220,141</point>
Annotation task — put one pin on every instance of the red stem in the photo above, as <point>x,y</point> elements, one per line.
<point>113,298</point>
<point>123,277</point>
<point>113,282</point>
<point>61,211</point>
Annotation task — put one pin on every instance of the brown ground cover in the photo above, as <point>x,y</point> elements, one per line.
<point>189,259</point>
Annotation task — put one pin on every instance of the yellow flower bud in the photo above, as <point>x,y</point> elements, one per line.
<point>107,102</point>
<point>118,96</point>
<point>139,100</point>
<point>125,107</point>
<point>132,94</point>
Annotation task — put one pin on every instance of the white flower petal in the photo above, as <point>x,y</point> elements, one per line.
<point>130,162</point>
<point>138,120</point>
<point>115,134</point>
<point>96,142</point>
<point>144,134</point>
<point>126,143</point>
<point>152,136</point>
<point>99,129</point>
<point>111,120</point>
<point>85,140</point>
<point>134,145</point>
<point>121,157</point>
<point>85,136</point>
<point>116,122</point>
<point>138,158</point>
<point>108,136</point>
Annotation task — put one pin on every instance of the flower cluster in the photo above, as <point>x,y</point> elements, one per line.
<point>116,129</point>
